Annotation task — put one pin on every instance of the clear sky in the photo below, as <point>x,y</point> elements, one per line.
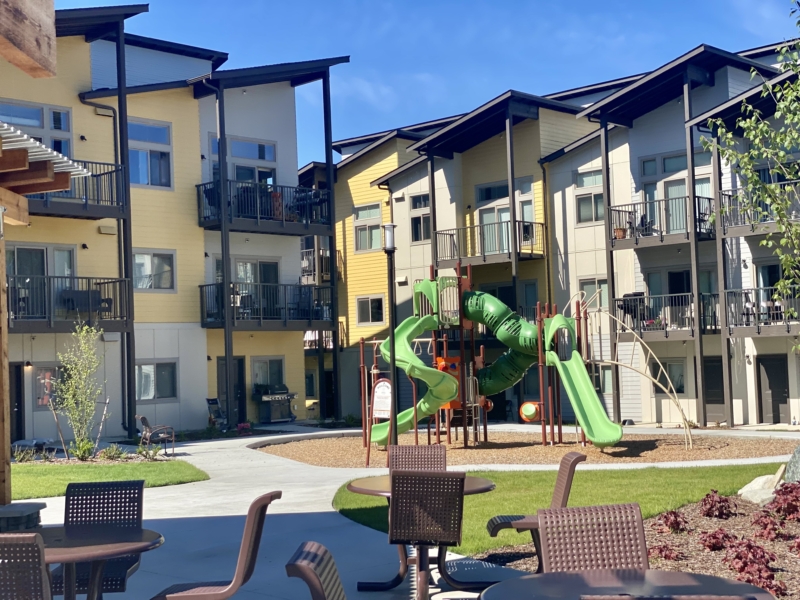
<point>415,60</point>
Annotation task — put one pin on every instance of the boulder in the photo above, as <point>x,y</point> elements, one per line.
<point>793,467</point>
<point>758,484</point>
<point>759,496</point>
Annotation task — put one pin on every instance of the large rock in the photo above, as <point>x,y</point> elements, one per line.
<point>760,497</point>
<point>793,468</point>
<point>758,484</point>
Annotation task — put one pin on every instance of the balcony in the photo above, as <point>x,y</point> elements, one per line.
<point>763,311</point>
<point>268,306</point>
<point>654,318</point>
<point>95,197</point>
<point>657,222</point>
<point>313,260</point>
<point>266,208</point>
<point>742,215</point>
<point>482,244</point>
<point>49,304</point>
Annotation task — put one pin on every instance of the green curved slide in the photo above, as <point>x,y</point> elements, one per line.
<point>521,339</point>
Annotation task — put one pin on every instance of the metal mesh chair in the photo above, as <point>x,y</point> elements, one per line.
<point>426,511</point>
<point>157,434</point>
<point>417,458</point>
<point>245,565</point>
<point>111,503</point>
<point>23,573</point>
<point>700,597</point>
<point>566,472</point>
<point>313,563</point>
<point>592,537</point>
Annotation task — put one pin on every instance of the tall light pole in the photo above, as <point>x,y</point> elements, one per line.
<point>389,248</point>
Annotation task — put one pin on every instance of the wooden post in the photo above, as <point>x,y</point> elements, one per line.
<point>28,36</point>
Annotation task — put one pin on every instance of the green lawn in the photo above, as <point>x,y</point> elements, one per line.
<point>43,480</point>
<point>523,492</point>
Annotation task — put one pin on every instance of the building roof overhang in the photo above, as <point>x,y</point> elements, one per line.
<point>96,22</point>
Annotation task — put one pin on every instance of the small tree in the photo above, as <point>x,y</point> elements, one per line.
<point>77,388</point>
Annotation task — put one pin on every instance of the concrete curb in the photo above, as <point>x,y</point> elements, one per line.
<point>299,437</point>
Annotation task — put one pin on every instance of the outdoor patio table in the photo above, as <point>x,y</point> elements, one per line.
<point>94,544</point>
<point>571,586</point>
<point>382,486</point>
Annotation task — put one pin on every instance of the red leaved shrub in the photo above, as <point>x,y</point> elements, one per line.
<point>751,563</point>
<point>717,540</point>
<point>787,502</point>
<point>716,506</point>
<point>671,522</point>
<point>664,551</point>
<point>769,527</point>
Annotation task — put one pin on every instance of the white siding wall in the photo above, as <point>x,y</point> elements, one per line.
<point>143,66</point>
<point>284,249</point>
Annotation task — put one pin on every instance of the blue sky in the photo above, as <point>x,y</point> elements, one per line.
<point>416,60</point>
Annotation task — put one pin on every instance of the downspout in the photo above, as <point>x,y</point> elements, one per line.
<point>120,246</point>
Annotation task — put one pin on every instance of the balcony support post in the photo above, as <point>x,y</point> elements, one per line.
<point>513,250</point>
<point>693,252</point>
<point>432,198</point>
<point>722,283</point>
<point>330,178</point>
<point>126,232</point>
<point>610,275</point>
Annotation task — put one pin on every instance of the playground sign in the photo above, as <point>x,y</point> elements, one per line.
<point>382,399</point>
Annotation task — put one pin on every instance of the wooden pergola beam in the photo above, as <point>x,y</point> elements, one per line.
<point>28,36</point>
<point>14,160</point>
<point>58,183</point>
<point>37,172</point>
<point>16,207</point>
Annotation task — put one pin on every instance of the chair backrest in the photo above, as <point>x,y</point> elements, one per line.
<point>426,508</point>
<point>117,503</point>
<point>23,573</point>
<point>314,564</point>
<point>251,539</point>
<point>592,537</point>
<point>693,597</point>
<point>418,458</point>
<point>566,471</point>
<point>146,428</point>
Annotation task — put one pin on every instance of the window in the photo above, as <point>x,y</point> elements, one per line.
<point>590,208</point>
<point>22,116</point>
<point>368,227</point>
<point>59,120</point>
<point>369,310</point>
<point>420,218</point>
<point>311,387</point>
<point>150,154</point>
<point>45,386</point>
<point>675,372</point>
<point>649,168</point>
<point>673,164</point>
<point>702,159</point>
<point>252,150</point>
<point>590,287</point>
<point>48,126</point>
<point>590,179</point>
<point>156,381</point>
<point>497,191</point>
<point>268,371</point>
<point>153,271</point>
<point>602,380</point>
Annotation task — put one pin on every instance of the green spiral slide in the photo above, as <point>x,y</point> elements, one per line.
<point>521,339</point>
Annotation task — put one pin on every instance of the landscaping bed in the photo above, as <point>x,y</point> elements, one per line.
<point>526,448</point>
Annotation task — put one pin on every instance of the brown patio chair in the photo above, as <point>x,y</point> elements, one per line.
<point>246,564</point>
<point>417,458</point>
<point>113,503</point>
<point>23,573</point>
<point>692,597</point>
<point>314,564</point>
<point>158,434</point>
<point>592,537</point>
<point>425,512</point>
<point>566,472</point>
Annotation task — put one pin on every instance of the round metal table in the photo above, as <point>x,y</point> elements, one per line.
<point>382,486</point>
<point>571,586</point>
<point>94,544</point>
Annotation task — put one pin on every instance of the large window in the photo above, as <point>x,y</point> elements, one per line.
<point>420,218</point>
<point>368,227</point>
<point>150,152</point>
<point>590,287</point>
<point>45,387</point>
<point>589,179</point>
<point>675,372</point>
<point>156,381</point>
<point>268,371</point>
<point>47,125</point>
<point>590,208</point>
<point>369,310</point>
<point>489,192</point>
<point>154,270</point>
<point>602,380</point>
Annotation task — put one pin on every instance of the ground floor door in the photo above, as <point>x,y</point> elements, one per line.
<point>330,396</point>
<point>236,410</point>
<point>715,398</point>
<point>773,388</point>
<point>16,389</point>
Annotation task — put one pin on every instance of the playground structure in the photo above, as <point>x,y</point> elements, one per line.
<point>449,304</point>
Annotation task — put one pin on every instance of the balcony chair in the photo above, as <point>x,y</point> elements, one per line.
<point>521,523</point>
<point>23,573</point>
<point>245,565</point>
<point>158,434</point>
<point>111,503</point>
<point>313,563</point>
<point>418,458</point>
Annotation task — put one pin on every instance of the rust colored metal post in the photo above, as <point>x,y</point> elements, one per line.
<point>462,363</point>
<point>416,424</point>
<point>540,345</point>
<point>550,399</point>
<point>362,375</point>
<point>587,355</point>
<point>438,423</point>
<point>578,336</point>
<point>447,412</point>
<point>557,386</point>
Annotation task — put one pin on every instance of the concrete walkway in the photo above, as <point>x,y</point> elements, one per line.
<point>202,523</point>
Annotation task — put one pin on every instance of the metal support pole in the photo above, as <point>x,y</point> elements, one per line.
<point>540,345</point>
<point>392,347</point>
<point>432,198</point>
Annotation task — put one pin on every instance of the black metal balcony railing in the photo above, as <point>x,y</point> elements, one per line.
<point>311,259</point>
<point>491,239</point>
<point>51,298</point>
<point>312,341</point>
<point>740,207</point>
<point>265,202</point>
<point>709,312</point>
<point>755,307</point>
<point>101,188</point>
<point>655,313</point>
<point>266,302</point>
<point>659,218</point>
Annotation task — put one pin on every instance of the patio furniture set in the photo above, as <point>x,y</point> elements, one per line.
<point>586,553</point>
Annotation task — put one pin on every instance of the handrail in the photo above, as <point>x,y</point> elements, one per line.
<point>266,302</point>
<point>489,239</point>
<point>664,312</point>
<point>100,188</point>
<point>757,307</point>
<point>739,207</point>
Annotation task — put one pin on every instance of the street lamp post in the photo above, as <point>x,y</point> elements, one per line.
<point>389,248</point>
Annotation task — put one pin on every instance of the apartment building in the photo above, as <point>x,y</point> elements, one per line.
<point>184,245</point>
